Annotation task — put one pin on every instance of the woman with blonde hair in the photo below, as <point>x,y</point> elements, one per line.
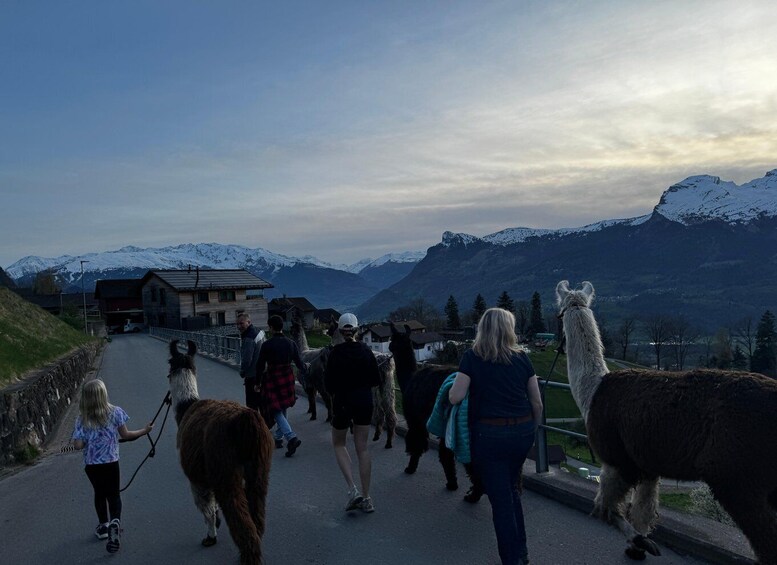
<point>97,431</point>
<point>504,409</point>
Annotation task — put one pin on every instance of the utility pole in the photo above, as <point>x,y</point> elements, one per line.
<point>83,292</point>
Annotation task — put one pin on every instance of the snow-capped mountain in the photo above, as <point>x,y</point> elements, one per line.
<point>406,257</point>
<point>705,252</point>
<point>694,200</point>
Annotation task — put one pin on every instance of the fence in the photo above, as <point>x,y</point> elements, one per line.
<point>224,347</point>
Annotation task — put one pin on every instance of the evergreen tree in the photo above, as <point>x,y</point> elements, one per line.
<point>536,321</point>
<point>505,302</point>
<point>478,308</point>
<point>764,359</point>
<point>452,313</point>
<point>739,359</point>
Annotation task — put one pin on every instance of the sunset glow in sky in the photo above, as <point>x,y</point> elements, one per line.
<point>352,129</point>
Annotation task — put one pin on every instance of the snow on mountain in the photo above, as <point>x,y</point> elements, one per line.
<point>696,199</point>
<point>205,255</point>
<point>702,197</point>
<point>406,257</point>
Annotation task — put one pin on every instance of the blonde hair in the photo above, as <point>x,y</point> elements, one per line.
<point>94,405</point>
<point>496,340</point>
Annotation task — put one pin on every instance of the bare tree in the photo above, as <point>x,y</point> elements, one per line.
<point>623,335</point>
<point>683,336</point>
<point>744,333</point>
<point>657,330</point>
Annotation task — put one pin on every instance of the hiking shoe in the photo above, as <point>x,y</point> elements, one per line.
<point>278,443</point>
<point>114,536</point>
<point>101,531</point>
<point>354,500</point>
<point>292,446</point>
<point>366,505</point>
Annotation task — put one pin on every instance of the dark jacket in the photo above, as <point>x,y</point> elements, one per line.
<point>351,366</point>
<point>249,352</point>
<point>277,355</point>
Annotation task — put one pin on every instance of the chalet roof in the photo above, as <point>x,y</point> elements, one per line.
<point>383,329</point>
<point>205,279</point>
<point>326,314</point>
<point>117,288</point>
<point>285,303</point>
<point>422,338</point>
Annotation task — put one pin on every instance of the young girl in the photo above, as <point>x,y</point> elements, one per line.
<point>98,429</point>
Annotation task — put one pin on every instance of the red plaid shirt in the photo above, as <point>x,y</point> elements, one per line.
<point>278,390</point>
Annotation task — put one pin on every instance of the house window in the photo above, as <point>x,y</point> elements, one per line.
<point>203,297</point>
<point>226,296</point>
<point>222,318</point>
<point>162,296</point>
<point>153,294</point>
<point>254,293</point>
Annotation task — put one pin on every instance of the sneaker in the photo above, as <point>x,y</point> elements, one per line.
<point>278,443</point>
<point>101,531</point>
<point>292,445</point>
<point>366,505</point>
<point>114,536</point>
<point>354,500</point>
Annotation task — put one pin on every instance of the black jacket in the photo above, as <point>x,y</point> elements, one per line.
<point>351,366</point>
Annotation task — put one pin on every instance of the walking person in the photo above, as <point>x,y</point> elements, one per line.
<point>97,431</point>
<point>351,372</point>
<point>277,388</point>
<point>504,409</point>
<point>249,355</point>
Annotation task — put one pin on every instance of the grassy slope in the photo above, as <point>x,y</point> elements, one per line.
<point>30,337</point>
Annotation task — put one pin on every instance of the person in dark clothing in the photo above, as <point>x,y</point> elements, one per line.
<point>249,355</point>
<point>505,407</point>
<point>351,372</point>
<point>277,388</point>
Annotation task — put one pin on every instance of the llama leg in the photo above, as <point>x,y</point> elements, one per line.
<point>448,462</point>
<point>608,506</point>
<point>390,431</point>
<point>206,504</point>
<point>311,392</point>
<point>416,442</point>
<point>751,508</point>
<point>231,496</point>
<point>378,431</point>
<point>644,506</point>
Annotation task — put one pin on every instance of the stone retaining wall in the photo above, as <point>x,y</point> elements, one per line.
<point>31,408</point>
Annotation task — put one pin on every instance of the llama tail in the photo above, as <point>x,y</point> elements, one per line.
<point>255,448</point>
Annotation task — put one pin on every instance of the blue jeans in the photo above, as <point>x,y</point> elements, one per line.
<point>284,429</point>
<point>498,454</point>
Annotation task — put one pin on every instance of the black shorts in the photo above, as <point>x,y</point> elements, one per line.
<point>349,410</point>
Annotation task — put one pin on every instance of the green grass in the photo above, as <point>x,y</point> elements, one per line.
<point>30,337</point>
<point>317,339</point>
<point>676,500</point>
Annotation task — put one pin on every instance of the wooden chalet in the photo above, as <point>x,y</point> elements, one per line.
<point>193,299</point>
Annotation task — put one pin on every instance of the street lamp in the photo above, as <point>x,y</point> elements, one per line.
<point>83,292</point>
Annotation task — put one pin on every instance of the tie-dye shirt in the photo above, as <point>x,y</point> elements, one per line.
<point>101,444</point>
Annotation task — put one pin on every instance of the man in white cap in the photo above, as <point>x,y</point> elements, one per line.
<point>351,372</point>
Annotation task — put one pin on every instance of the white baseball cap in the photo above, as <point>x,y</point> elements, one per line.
<point>347,320</point>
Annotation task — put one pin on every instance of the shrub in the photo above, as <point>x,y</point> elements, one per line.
<point>704,503</point>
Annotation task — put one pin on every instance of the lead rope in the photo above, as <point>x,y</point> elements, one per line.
<point>167,400</point>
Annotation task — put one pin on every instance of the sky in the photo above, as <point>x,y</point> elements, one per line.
<point>351,129</point>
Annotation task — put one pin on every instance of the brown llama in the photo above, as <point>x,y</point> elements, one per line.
<point>419,388</point>
<point>316,360</point>
<point>716,426</point>
<point>384,414</point>
<point>225,450</point>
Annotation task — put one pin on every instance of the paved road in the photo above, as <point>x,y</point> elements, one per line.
<point>46,513</point>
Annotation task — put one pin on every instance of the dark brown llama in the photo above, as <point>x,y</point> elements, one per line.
<point>314,380</point>
<point>384,414</point>
<point>419,389</point>
<point>225,450</point>
<point>716,426</point>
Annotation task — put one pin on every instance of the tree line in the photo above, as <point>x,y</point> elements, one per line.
<point>671,341</point>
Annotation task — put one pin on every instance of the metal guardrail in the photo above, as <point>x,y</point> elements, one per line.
<point>222,347</point>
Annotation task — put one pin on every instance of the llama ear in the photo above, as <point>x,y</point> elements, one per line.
<point>393,328</point>
<point>192,348</point>
<point>407,330</point>
<point>174,348</point>
<point>588,291</point>
<point>562,289</point>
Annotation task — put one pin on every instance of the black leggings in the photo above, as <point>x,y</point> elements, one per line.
<point>105,480</point>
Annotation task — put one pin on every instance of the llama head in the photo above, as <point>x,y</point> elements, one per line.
<point>178,360</point>
<point>400,345</point>
<point>567,298</point>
